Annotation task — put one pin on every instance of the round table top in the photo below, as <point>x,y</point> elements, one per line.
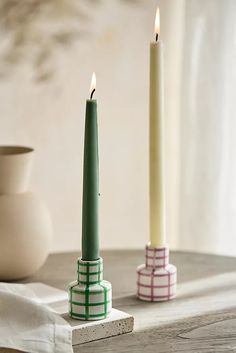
<point>201,319</point>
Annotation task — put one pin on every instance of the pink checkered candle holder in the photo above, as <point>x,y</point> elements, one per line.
<point>157,278</point>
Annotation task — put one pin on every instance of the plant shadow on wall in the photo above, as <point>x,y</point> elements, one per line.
<point>34,30</point>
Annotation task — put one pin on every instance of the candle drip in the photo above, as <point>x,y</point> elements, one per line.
<point>91,95</point>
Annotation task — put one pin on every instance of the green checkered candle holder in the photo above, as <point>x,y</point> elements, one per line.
<point>90,297</point>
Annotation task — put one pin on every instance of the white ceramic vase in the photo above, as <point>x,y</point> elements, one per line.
<point>25,223</point>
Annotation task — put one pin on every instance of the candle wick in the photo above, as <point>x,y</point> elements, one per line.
<point>156,37</point>
<point>91,95</point>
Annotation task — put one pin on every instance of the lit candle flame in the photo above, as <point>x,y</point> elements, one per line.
<point>157,22</point>
<point>93,83</point>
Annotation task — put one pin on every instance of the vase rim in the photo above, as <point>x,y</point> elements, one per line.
<point>14,150</point>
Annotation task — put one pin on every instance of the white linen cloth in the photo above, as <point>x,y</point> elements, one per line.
<point>30,326</point>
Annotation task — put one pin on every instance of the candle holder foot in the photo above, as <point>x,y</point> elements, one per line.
<point>157,279</point>
<point>90,297</point>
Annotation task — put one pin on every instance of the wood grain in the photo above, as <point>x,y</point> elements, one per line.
<point>201,319</point>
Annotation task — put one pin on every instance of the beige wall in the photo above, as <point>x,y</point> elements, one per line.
<point>50,117</point>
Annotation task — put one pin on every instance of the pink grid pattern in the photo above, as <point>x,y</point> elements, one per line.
<point>157,257</point>
<point>157,278</point>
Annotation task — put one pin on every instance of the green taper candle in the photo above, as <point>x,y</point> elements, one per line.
<point>90,234</point>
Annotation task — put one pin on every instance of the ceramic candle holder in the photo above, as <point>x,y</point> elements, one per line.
<point>90,297</point>
<point>156,278</point>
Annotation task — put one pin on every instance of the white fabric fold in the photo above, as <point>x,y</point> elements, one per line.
<point>28,325</point>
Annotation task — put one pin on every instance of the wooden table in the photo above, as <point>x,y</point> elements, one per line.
<point>201,319</point>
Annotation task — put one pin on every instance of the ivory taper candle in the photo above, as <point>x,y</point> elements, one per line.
<point>156,141</point>
<point>90,240</point>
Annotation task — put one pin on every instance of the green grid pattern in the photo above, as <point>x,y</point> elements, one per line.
<point>90,272</point>
<point>81,291</point>
<point>87,306</point>
<point>90,304</point>
<point>87,289</point>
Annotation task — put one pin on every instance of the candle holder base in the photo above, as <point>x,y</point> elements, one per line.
<point>157,279</point>
<point>90,297</point>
